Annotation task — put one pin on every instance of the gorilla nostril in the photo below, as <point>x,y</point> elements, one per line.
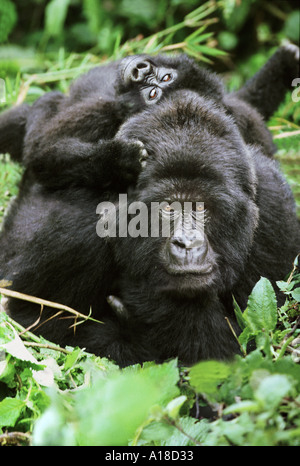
<point>186,242</point>
<point>135,73</point>
<point>135,69</point>
<point>142,65</point>
<point>180,243</point>
<point>140,70</point>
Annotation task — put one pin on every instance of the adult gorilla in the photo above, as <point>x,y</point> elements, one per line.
<point>178,290</point>
<point>176,296</point>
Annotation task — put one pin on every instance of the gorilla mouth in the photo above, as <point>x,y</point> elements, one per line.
<point>175,269</point>
<point>187,282</point>
<point>179,260</point>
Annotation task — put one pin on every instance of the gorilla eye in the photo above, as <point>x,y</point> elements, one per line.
<point>153,93</point>
<point>168,209</point>
<point>166,78</point>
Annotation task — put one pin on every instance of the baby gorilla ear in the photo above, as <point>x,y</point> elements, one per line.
<point>135,69</point>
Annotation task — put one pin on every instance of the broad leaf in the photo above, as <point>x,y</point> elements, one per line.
<point>261,312</point>
<point>207,375</point>
<point>10,410</point>
<point>272,389</point>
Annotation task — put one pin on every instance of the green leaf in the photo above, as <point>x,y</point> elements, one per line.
<point>55,16</point>
<point>7,371</point>
<point>72,358</point>
<point>238,314</point>
<point>285,286</point>
<point>238,16</point>
<point>261,312</point>
<point>272,389</point>
<point>227,40</point>
<point>8,18</point>
<point>156,431</point>
<point>242,406</point>
<point>296,294</point>
<point>93,11</point>
<point>174,406</point>
<point>210,51</point>
<point>17,349</point>
<point>52,428</point>
<point>263,341</point>
<point>111,410</point>
<point>145,11</point>
<point>291,27</point>
<point>190,429</point>
<point>207,375</point>
<point>10,410</point>
<point>197,39</point>
<point>199,14</point>
<point>244,337</point>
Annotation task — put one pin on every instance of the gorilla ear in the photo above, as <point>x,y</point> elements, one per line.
<point>12,131</point>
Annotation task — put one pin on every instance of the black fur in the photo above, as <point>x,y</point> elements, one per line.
<point>266,90</point>
<point>99,102</point>
<point>49,246</point>
<point>197,154</point>
<point>12,131</point>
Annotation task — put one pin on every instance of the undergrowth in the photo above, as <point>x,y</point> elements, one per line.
<point>65,396</point>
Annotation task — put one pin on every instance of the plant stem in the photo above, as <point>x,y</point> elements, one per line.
<point>235,336</point>
<point>44,302</point>
<point>14,438</point>
<point>284,347</point>
<point>178,427</point>
<point>47,346</point>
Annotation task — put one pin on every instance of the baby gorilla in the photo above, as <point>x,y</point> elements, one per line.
<point>68,140</point>
<point>177,289</point>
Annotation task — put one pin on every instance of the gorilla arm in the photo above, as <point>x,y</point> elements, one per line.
<point>12,131</point>
<point>73,147</point>
<point>267,88</point>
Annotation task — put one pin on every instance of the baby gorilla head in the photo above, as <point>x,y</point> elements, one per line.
<point>200,176</point>
<point>152,79</point>
<point>155,76</point>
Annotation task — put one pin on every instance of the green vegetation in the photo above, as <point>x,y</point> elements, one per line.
<point>65,396</point>
<point>57,396</point>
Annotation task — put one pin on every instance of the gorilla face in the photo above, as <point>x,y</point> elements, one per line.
<point>200,176</point>
<point>154,77</point>
<point>151,79</point>
<point>187,249</point>
<point>181,259</point>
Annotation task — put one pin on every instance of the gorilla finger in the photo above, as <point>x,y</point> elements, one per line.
<point>117,305</point>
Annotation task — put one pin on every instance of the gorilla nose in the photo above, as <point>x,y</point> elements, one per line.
<point>136,69</point>
<point>187,241</point>
<point>186,250</point>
